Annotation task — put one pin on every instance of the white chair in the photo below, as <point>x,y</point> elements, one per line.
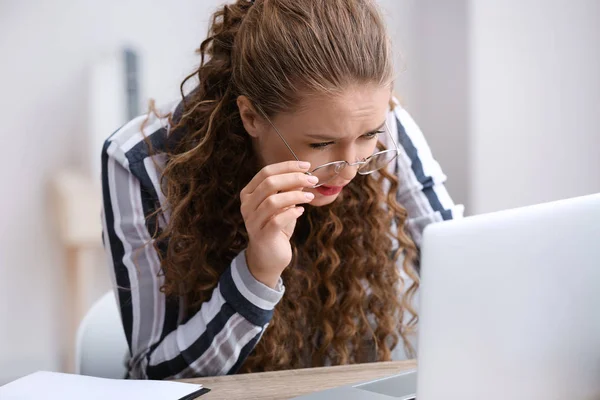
<point>101,347</point>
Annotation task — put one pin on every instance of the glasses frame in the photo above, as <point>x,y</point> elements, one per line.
<point>342,163</point>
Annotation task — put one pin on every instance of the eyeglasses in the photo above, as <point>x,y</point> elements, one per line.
<point>327,172</point>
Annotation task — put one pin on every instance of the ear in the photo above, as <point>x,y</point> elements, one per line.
<point>252,121</point>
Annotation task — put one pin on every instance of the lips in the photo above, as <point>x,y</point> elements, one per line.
<point>329,190</point>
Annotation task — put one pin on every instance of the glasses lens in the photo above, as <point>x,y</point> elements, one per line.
<point>328,172</point>
<point>378,161</point>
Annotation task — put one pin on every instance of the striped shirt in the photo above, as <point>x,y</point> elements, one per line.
<point>164,342</point>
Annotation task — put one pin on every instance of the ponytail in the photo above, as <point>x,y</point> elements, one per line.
<point>206,122</point>
<point>213,98</point>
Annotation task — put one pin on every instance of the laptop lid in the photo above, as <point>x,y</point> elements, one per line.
<point>510,305</point>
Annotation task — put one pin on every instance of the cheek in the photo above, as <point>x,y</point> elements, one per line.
<point>271,152</point>
<point>371,148</point>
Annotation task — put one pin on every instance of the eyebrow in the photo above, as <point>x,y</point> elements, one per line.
<point>323,137</point>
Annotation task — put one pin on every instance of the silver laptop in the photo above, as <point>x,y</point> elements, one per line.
<point>509,309</point>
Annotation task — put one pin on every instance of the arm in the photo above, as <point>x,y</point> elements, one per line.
<point>214,341</point>
<point>422,191</point>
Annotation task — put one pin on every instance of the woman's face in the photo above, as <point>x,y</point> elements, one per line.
<point>323,129</point>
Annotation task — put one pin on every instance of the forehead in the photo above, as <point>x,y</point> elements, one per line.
<point>354,109</point>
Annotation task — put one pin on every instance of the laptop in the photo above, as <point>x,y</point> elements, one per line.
<point>509,309</point>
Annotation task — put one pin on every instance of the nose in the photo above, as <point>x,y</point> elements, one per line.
<point>350,156</point>
<point>348,173</point>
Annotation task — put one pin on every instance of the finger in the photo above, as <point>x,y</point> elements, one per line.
<point>278,203</point>
<point>275,169</point>
<point>279,184</point>
<point>281,220</point>
<point>273,185</point>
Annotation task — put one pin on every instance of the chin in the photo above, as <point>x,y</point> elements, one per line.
<point>321,200</point>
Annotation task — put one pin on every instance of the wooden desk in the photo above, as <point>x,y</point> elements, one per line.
<point>292,383</point>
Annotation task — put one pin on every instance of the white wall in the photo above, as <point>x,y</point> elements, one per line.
<point>508,96</point>
<point>431,50</point>
<point>401,24</point>
<point>535,101</point>
<point>441,105</point>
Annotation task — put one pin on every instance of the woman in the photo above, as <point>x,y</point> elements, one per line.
<point>273,171</point>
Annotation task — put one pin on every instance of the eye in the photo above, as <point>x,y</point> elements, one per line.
<point>320,146</point>
<point>372,135</point>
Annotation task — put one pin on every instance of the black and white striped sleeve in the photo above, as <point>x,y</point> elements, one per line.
<point>422,191</point>
<point>214,341</point>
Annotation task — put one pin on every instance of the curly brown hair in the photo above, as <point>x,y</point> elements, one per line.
<point>345,299</point>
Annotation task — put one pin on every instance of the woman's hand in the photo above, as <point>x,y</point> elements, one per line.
<point>269,208</point>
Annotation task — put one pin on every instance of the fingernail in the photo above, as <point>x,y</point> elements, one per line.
<point>304,164</point>
<point>312,179</point>
<point>309,195</point>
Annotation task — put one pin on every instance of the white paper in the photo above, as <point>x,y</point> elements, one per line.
<point>54,386</point>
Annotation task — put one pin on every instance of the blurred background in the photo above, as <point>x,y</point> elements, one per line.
<point>507,93</point>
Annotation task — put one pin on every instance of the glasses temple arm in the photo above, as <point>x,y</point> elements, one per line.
<point>278,134</point>
<point>391,136</point>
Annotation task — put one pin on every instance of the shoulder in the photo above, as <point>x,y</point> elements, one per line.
<point>399,115</point>
<point>402,126</point>
<point>141,137</point>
